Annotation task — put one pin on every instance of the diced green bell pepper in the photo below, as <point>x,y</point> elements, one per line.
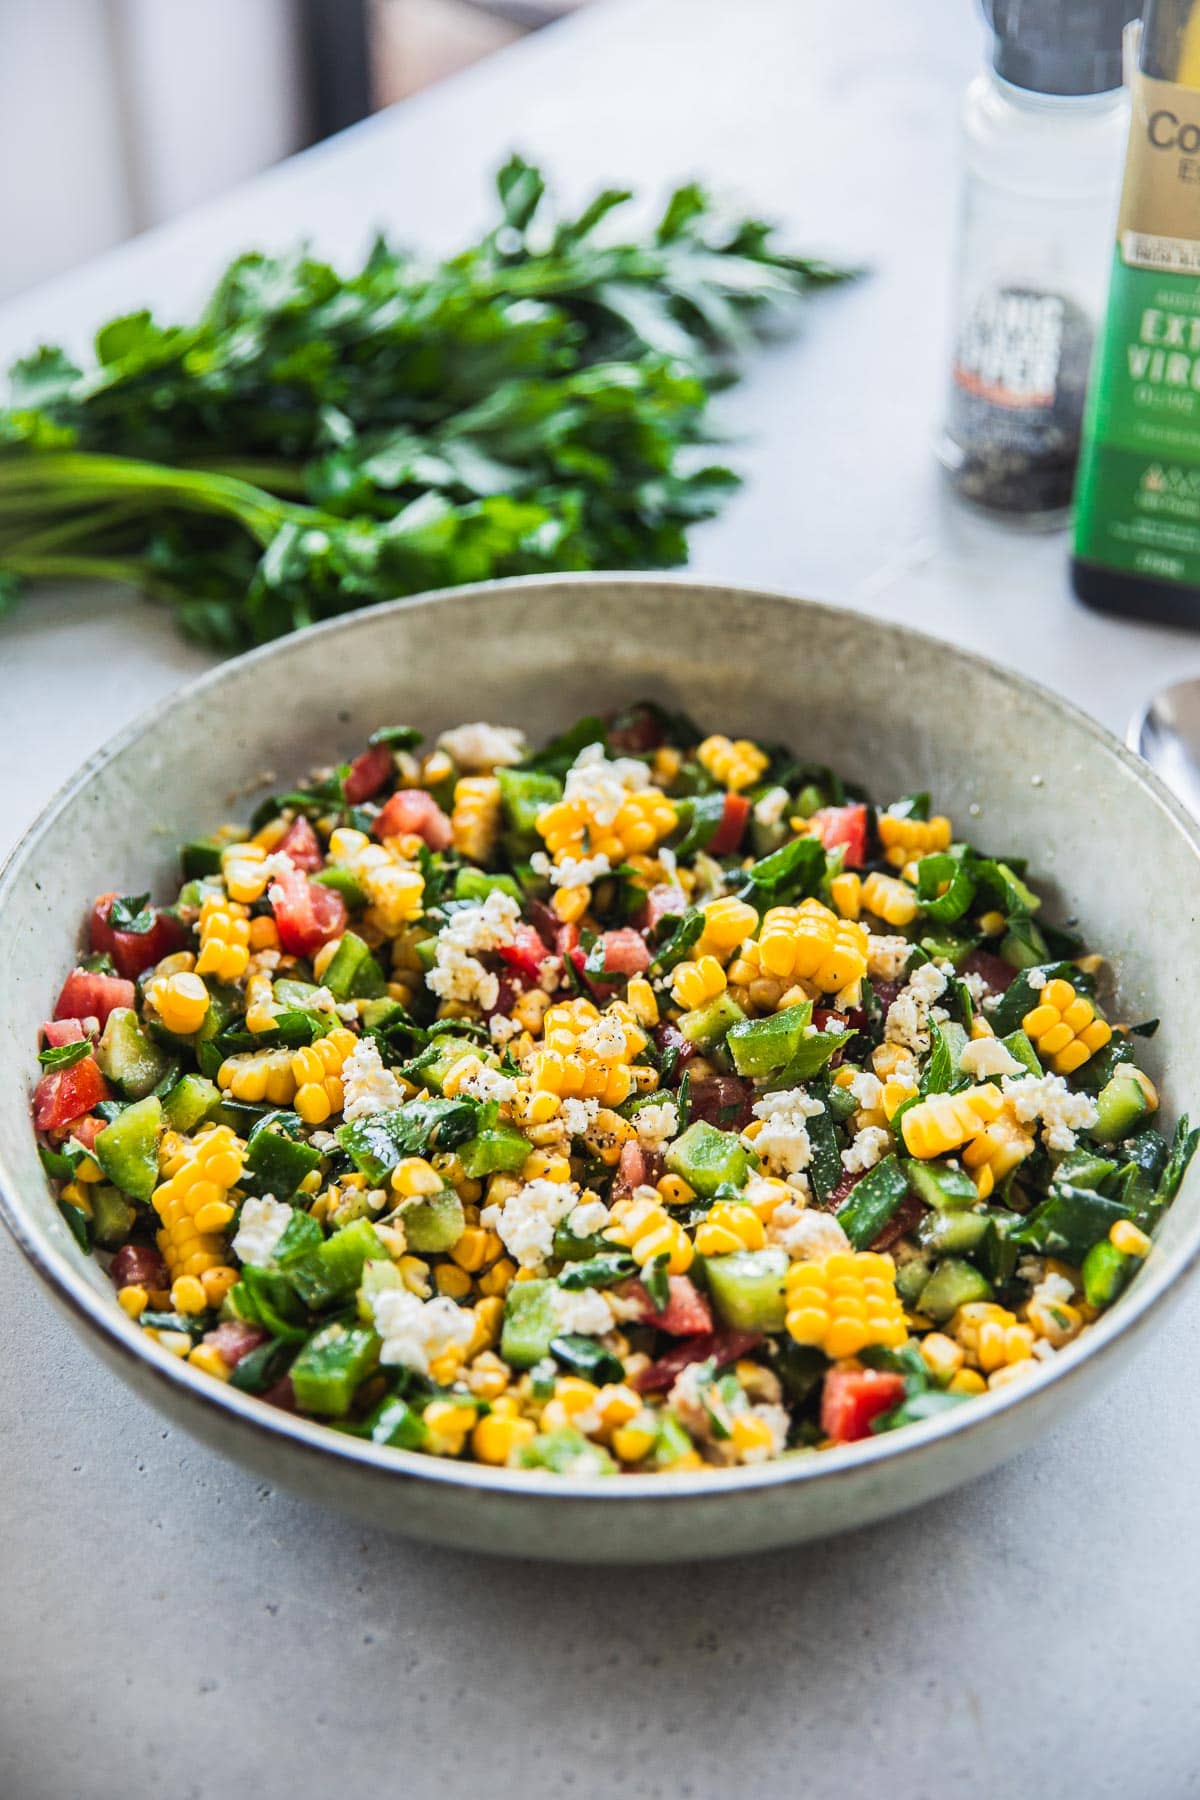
<point>190,1102</point>
<point>952,1284</point>
<point>265,1297</point>
<point>333,1270</point>
<point>523,794</point>
<point>397,1423</point>
<point>761,1046</point>
<point>199,858</point>
<point>377,1278</point>
<point>278,1163</point>
<point>953,1233</point>
<point>938,1185</point>
<point>127,1150</point>
<point>128,1057</point>
<point>354,974</point>
<point>872,1201</point>
<point>566,1452</point>
<point>747,1288</point>
<point>1121,1106</point>
<point>705,1026</point>
<point>497,1149</point>
<point>344,883</point>
<point>1105,1270</point>
<point>475,885</point>
<point>1017,1044</point>
<point>112,1215</point>
<point>331,1367</point>
<point>705,1158</point>
<point>530,1322</point>
<point>434,1222</point>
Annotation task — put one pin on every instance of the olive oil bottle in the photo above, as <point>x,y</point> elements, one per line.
<point>1137,500</point>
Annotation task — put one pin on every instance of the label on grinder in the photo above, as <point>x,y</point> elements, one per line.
<point>1138,491</point>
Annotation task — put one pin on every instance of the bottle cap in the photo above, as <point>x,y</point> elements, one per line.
<point>1059,46</point>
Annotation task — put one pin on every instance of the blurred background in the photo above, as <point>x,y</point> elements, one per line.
<point>122,113</point>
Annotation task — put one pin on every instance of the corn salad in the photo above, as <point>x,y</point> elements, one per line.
<point>651,1102</point>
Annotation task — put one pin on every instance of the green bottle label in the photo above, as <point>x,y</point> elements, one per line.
<point>1138,489</point>
<point>1138,493</point>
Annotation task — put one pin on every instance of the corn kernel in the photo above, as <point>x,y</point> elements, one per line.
<point>133,1299</point>
<point>209,1361</point>
<point>1126,1237</point>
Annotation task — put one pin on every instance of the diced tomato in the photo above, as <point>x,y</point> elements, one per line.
<point>138,1264</point>
<point>87,1130</point>
<point>302,844</point>
<point>885,991</point>
<point>413,812</point>
<point>686,1313</point>
<point>133,951</point>
<point>728,835</point>
<point>89,996</point>
<point>625,952</point>
<point>998,974</point>
<point>526,953</point>
<point>631,1170</point>
<point>851,1398</point>
<point>843,825</point>
<point>233,1339</point>
<point>306,913</point>
<point>57,1032</point>
<point>635,731</point>
<point>368,773</point>
<point>725,1101</point>
<point>723,1346</point>
<point>64,1094</point>
<point>544,921</point>
<point>663,898</point>
<point>669,1037</point>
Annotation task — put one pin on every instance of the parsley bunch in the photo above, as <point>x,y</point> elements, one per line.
<point>315,442</point>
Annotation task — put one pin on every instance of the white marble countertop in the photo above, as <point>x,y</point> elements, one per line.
<point>169,1625</point>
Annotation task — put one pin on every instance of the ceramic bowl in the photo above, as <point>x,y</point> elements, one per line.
<point>1011,763</point>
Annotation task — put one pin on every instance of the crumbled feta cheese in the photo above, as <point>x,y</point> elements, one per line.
<point>525,1222</point>
<point>887,956</point>
<point>987,1056</point>
<point>1048,1098</point>
<point>589,1217</point>
<point>578,1115</point>
<point>975,985</point>
<point>260,1227</point>
<point>601,785</point>
<point>486,1083</point>
<point>572,871</point>
<point>367,1086</point>
<point>502,1030</point>
<point>867,1089</point>
<point>1036,979</point>
<point>348,1010</point>
<point>869,1147</point>
<point>457,974</point>
<point>1043,1349</point>
<point>480,748</point>
<point>321,1000</point>
<point>278,863</point>
<point>783,1142</point>
<point>806,1235</point>
<point>911,1012</point>
<point>416,1332</point>
<point>1054,1290</point>
<point>770,809</point>
<point>586,1311</point>
<point>605,1039</point>
<point>657,1123</point>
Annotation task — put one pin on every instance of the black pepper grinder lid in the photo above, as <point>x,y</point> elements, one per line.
<point>1059,46</point>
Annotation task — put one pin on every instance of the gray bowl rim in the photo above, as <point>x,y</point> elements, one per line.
<point>99,1314</point>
